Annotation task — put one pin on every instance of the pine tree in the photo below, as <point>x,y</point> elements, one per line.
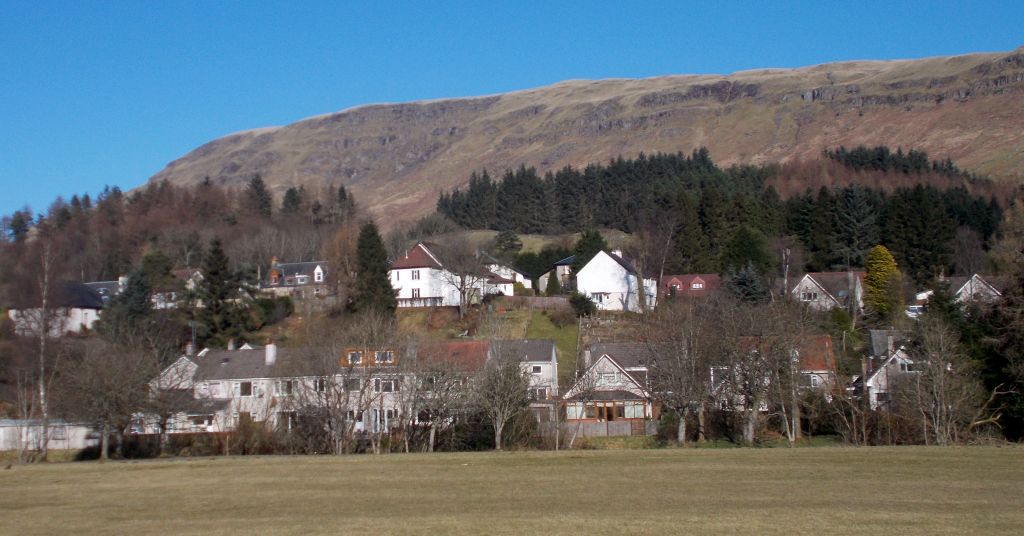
<point>292,201</point>
<point>747,247</point>
<point>883,295</point>
<point>747,285</point>
<point>590,243</point>
<point>554,287</point>
<point>127,312</point>
<point>856,226</point>
<point>257,197</point>
<point>506,245</point>
<point>373,290</point>
<point>218,291</point>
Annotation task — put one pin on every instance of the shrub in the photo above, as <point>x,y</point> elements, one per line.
<point>582,305</point>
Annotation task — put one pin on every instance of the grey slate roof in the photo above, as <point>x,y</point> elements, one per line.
<point>880,341</point>
<point>246,364</point>
<point>292,269</point>
<point>79,296</point>
<point>528,350</point>
<point>628,354</point>
<point>106,289</point>
<point>566,261</point>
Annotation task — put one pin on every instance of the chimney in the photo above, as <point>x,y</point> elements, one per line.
<point>586,359</point>
<point>617,252</point>
<point>231,344</point>
<point>190,350</point>
<point>891,345</point>
<point>271,353</point>
<point>122,281</point>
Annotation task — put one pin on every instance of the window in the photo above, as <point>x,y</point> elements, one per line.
<point>397,276</point>
<point>696,286</point>
<point>274,279</point>
<point>882,397</point>
<point>415,275</point>
<point>318,276</point>
<point>597,297</point>
<point>320,385</point>
<point>59,433</point>
<point>286,419</point>
<point>906,366</point>
<point>243,388</point>
<point>608,378</point>
<point>620,411</point>
<point>352,384</point>
<point>535,369</point>
<point>354,358</point>
<point>591,411</point>
<point>808,296</point>
<point>204,389</point>
<point>540,393</point>
<point>302,279</point>
<point>384,356</point>
<point>284,388</point>
<point>415,293</point>
<point>383,386</point>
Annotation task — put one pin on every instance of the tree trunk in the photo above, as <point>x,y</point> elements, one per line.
<point>701,419</point>
<point>433,434</point>
<point>750,426</point>
<point>104,442</point>
<point>681,430</point>
<point>498,428</point>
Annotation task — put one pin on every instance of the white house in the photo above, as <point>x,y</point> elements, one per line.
<point>505,271</point>
<point>965,290</point>
<point>221,388</point>
<point>824,291</point>
<point>77,308</point>
<point>27,434</point>
<point>420,279</point>
<point>612,283</point>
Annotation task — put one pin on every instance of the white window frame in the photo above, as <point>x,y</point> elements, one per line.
<point>358,357</point>
<point>380,354</point>
<point>379,383</point>
<point>536,369</point>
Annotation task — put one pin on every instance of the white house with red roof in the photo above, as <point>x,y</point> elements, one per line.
<point>420,279</point>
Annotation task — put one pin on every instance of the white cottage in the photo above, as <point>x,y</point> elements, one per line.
<point>420,279</point>
<point>613,284</point>
<point>824,291</point>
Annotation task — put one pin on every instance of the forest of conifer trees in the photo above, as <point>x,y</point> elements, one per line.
<point>931,230</point>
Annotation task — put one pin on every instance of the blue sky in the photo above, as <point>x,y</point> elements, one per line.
<point>109,93</point>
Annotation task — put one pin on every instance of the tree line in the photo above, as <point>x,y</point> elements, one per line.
<point>712,213</point>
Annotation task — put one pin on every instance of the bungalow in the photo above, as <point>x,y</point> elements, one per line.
<point>296,279</point>
<point>612,389</point>
<point>27,434</point>
<point>77,309</point>
<point>689,285</point>
<point>824,291</point>
<point>614,284</point>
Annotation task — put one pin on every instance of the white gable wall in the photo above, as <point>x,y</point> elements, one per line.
<point>612,287</point>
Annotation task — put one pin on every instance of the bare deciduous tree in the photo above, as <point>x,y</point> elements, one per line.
<point>502,389</point>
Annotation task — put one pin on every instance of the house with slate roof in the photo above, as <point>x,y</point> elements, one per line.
<point>614,284</point>
<point>562,269</point>
<point>296,279</point>
<point>824,291</point>
<point>77,309</point>
<point>613,386</point>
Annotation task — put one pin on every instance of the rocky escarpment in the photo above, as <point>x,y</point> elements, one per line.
<point>397,157</point>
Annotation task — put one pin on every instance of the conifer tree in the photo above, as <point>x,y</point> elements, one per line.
<point>292,201</point>
<point>257,197</point>
<point>746,284</point>
<point>747,247</point>
<point>590,243</point>
<point>373,290</point>
<point>554,287</point>
<point>883,295</point>
<point>218,291</point>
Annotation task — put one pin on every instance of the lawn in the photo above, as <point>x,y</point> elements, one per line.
<point>914,490</point>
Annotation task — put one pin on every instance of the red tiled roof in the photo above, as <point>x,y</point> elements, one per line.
<point>815,351</point>
<point>712,282</point>
<point>466,356</point>
<point>417,257</point>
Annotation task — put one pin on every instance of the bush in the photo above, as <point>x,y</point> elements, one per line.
<point>519,289</point>
<point>561,317</point>
<point>582,305</point>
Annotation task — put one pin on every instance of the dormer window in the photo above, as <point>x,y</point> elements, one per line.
<point>318,276</point>
<point>273,279</point>
<point>354,358</point>
<point>697,285</point>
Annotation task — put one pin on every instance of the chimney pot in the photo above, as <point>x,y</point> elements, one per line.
<point>231,344</point>
<point>271,353</point>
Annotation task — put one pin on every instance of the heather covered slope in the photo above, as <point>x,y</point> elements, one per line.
<point>396,157</point>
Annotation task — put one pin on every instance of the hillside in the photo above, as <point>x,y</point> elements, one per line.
<point>397,157</point>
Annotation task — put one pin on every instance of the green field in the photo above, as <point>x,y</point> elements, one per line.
<point>915,490</point>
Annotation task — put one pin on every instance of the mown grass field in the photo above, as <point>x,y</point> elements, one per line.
<point>670,491</point>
